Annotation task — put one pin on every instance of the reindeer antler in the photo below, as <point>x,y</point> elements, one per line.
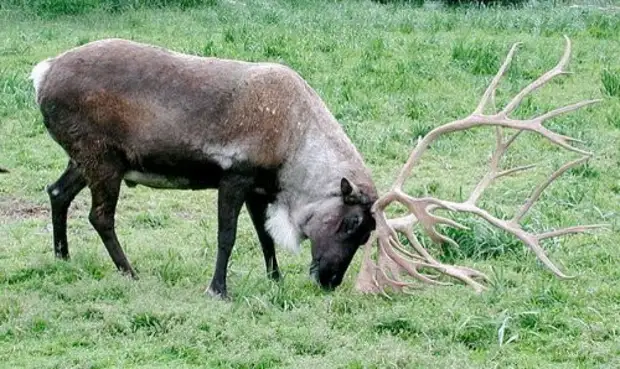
<point>393,259</point>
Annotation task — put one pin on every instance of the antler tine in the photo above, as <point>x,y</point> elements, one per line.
<point>569,230</point>
<point>542,80</point>
<point>510,171</point>
<point>463,274</point>
<point>566,109</point>
<point>533,244</point>
<point>366,279</point>
<point>492,174</point>
<point>513,138</point>
<point>560,140</point>
<point>495,82</point>
<point>398,264</point>
<point>539,190</point>
<point>394,258</point>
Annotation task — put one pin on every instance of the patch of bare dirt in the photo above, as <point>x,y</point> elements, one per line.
<point>19,208</point>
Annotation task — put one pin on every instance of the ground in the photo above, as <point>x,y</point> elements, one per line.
<point>389,73</point>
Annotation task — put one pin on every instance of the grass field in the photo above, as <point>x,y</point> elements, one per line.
<point>389,73</point>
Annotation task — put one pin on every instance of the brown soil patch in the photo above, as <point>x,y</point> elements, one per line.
<point>18,208</point>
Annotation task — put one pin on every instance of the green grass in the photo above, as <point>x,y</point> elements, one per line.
<point>390,73</point>
<point>54,8</point>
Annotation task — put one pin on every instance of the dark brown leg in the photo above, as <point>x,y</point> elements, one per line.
<point>231,196</point>
<point>105,188</point>
<point>61,193</point>
<point>257,207</point>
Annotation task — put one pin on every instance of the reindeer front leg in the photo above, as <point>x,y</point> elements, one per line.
<point>231,196</point>
<point>257,208</point>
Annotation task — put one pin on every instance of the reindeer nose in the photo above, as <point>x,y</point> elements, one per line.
<point>331,283</point>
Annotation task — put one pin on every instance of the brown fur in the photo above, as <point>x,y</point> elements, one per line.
<point>241,100</point>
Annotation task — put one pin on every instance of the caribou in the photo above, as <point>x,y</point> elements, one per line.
<point>260,135</point>
<point>130,112</point>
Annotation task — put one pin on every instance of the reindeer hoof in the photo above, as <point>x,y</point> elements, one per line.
<point>217,295</point>
<point>130,273</point>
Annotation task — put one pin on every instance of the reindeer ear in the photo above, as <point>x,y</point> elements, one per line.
<point>345,187</point>
<point>351,195</point>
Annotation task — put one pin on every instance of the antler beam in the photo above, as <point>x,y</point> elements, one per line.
<point>393,259</point>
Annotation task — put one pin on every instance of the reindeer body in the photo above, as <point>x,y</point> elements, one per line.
<point>125,111</point>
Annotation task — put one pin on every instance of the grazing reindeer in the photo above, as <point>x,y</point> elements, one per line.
<point>2,170</point>
<point>256,132</point>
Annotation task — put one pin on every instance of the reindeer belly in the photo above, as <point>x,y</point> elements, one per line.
<point>133,178</point>
<point>170,172</point>
<point>196,173</point>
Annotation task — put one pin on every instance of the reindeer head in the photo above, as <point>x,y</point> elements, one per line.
<point>338,227</point>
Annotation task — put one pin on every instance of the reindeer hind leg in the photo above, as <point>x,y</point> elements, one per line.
<point>61,194</point>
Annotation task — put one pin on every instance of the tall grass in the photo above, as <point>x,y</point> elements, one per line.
<point>51,8</point>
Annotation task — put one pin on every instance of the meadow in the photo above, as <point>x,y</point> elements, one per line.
<point>389,73</point>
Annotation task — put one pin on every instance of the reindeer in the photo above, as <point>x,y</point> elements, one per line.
<point>256,132</point>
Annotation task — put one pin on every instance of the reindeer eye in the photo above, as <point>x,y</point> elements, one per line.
<point>350,224</point>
